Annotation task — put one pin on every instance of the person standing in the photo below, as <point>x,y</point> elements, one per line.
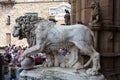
<point>12,71</point>
<point>67,17</point>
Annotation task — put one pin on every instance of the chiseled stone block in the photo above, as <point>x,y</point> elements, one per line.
<point>85,15</point>
<point>57,74</point>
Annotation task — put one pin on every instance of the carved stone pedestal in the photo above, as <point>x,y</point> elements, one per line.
<point>56,73</point>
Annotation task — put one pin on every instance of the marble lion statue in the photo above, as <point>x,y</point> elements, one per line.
<point>42,33</point>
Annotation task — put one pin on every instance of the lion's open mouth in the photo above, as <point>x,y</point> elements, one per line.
<point>20,37</point>
<point>15,35</point>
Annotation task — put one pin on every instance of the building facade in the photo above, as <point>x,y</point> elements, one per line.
<point>107,30</point>
<point>11,9</point>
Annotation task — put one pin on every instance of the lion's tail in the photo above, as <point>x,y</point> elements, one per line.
<point>93,43</point>
<point>93,38</point>
<point>88,63</point>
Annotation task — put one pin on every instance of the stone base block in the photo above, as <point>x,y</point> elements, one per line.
<point>57,74</point>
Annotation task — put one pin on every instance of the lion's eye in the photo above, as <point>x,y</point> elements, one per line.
<point>15,27</point>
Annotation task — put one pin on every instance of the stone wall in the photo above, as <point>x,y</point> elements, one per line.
<point>19,8</point>
<point>107,34</point>
<point>110,21</point>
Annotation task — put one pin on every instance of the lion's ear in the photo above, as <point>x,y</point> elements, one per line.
<point>44,25</point>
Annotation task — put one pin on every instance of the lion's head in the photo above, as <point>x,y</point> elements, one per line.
<point>24,25</point>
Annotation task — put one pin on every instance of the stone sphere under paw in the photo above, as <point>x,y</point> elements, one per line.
<point>28,63</point>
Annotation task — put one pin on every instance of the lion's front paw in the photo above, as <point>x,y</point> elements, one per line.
<point>62,65</point>
<point>68,65</point>
<point>46,64</point>
<point>92,72</point>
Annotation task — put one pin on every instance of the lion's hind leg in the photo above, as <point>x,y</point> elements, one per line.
<point>96,64</point>
<point>96,58</point>
<point>74,58</point>
<point>90,51</point>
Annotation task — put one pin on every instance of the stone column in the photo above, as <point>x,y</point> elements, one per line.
<point>106,36</point>
<point>78,10</point>
<point>85,11</point>
<point>116,12</point>
<point>73,11</point>
<point>106,8</point>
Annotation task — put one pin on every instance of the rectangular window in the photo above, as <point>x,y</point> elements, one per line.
<point>8,20</point>
<point>32,14</point>
<point>8,38</point>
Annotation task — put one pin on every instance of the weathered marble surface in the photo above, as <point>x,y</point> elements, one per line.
<point>42,33</point>
<point>56,73</point>
<point>28,63</point>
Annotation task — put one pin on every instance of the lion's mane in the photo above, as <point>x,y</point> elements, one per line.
<point>28,24</point>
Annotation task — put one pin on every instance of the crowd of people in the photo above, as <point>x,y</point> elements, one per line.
<point>12,66</point>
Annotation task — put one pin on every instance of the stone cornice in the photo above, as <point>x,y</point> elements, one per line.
<point>7,2</point>
<point>106,28</point>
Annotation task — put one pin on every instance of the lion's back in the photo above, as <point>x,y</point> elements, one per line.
<point>78,32</point>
